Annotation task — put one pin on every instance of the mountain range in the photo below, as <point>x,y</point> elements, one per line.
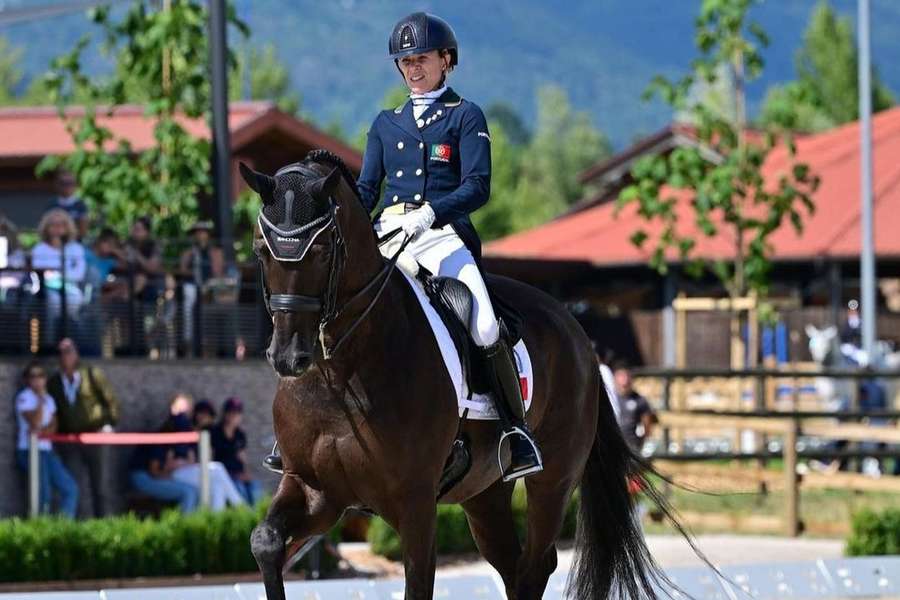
<point>602,52</point>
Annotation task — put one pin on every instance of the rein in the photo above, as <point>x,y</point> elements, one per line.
<point>289,303</point>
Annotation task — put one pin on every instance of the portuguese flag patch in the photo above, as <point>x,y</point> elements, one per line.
<point>440,152</point>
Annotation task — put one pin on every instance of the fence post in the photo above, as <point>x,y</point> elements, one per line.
<point>34,477</point>
<point>205,457</point>
<point>792,487</point>
<point>667,406</point>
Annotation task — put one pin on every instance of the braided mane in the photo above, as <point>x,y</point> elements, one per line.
<point>327,156</point>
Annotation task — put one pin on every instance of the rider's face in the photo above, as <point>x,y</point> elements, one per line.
<point>423,72</point>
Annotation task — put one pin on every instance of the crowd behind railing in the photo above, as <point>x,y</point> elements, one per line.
<point>78,399</point>
<point>121,296</point>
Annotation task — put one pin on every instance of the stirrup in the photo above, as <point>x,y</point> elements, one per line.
<point>273,463</point>
<point>522,434</point>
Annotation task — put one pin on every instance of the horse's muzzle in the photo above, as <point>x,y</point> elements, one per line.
<point>288,360</point>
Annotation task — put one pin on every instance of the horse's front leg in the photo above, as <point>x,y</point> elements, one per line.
<point>416,522</point>
<point>297,513</point>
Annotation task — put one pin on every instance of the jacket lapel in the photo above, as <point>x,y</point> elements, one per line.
<point>439,109</point>
<point>402,117</point>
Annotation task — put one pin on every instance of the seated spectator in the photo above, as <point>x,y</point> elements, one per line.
<point>57,232</point>
<point>103,258</point>
<point>204,415</point>
<point>230,448</point>
<point>143,257</point>
<point>198,265</point>
<point>11,257</point>
<point>150,472</point>
<point>222,490</point>
<point>67,200</point>
<point>36,412</point>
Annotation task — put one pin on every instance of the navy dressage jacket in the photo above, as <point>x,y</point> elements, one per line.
<point>443,158</point>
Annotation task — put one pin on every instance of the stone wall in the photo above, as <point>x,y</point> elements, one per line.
<point>144,389</point>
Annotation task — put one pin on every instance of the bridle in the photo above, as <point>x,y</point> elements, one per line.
<point>327,305</point>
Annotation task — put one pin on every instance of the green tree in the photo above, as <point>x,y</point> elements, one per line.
<point>499,216</point>
<point>161,58</point>
<point>514,127</point>
<point>565,142</point>
<point>10,71</point>
<point>729,196</point>
<point>260,75</point>
<point>826,91</point>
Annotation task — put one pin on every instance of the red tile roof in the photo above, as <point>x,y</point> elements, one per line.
<point>28,134</point>
<point>597,236</point>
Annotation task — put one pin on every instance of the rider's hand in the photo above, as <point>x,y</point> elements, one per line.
<point>418,221</point>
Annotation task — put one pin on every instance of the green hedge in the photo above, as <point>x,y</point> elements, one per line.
<point>53,548</point>
<point>453,534</point>
<point>875,533</point>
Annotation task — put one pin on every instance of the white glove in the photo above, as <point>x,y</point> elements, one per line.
<point>418,221</point>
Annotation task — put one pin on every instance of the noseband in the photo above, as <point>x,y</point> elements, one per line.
<point>326,305</point>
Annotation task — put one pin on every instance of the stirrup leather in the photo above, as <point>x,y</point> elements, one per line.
<point>518,431</point>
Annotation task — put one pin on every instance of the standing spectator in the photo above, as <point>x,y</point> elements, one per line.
<point>86,404</point>
<point>57,231</point>
<point>229,443</point>
<point>67,200</point>
<point>144,257</point>
<point>198,264</point>
<point>36,412</point>
<point>636,416</point>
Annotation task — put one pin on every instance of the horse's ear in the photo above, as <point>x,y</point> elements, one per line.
<point>325,186</point>
<point>260,183</point>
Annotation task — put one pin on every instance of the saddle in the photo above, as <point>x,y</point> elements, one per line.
<point>453,302</point>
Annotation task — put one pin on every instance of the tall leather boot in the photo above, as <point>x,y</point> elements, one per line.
<point>503,377</point>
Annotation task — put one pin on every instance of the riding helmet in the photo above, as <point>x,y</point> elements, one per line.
<point>421,32</point>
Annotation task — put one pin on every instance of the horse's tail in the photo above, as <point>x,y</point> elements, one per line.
<point>612,559</point>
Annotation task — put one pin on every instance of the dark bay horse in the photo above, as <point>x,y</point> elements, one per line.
<point>365,412</point>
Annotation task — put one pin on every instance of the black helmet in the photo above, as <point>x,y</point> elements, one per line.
<point>421,32</point>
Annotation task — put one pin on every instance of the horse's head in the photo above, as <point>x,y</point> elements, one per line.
<point>302,243</point>
<point>821,342</point>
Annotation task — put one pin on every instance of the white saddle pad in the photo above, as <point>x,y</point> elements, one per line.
<point>480,406</point>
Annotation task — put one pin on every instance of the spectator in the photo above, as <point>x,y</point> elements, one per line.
<point>199,264</point>
<point>204,415</point>
<point>222,490</point>
<point>144,259</point>
<point>229,445</point>
<point>11,257</point>
<point>36,412</point>
<point>67,200</point>
<point>103,258</point>
<point>150,472</point>
<point>636,416</point>
<point>57,232</point>
<point>86,404</point>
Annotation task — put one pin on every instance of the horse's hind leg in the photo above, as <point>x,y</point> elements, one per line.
<point>491,522</point>
<point>296,513</point>
<point>547,500</point>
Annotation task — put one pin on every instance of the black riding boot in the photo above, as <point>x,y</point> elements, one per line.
<point>503,377</point>
<point>273,461</point>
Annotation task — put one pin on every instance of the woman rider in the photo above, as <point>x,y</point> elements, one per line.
<point>435,152</point>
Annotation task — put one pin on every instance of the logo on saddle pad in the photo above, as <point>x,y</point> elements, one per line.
<point>441,152</point>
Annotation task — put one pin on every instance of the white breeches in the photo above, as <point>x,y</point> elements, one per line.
<point>444,254</point>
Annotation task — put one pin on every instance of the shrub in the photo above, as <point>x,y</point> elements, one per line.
<point>453,534</point>
<point>875,533</point>
<point>53,548</point>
